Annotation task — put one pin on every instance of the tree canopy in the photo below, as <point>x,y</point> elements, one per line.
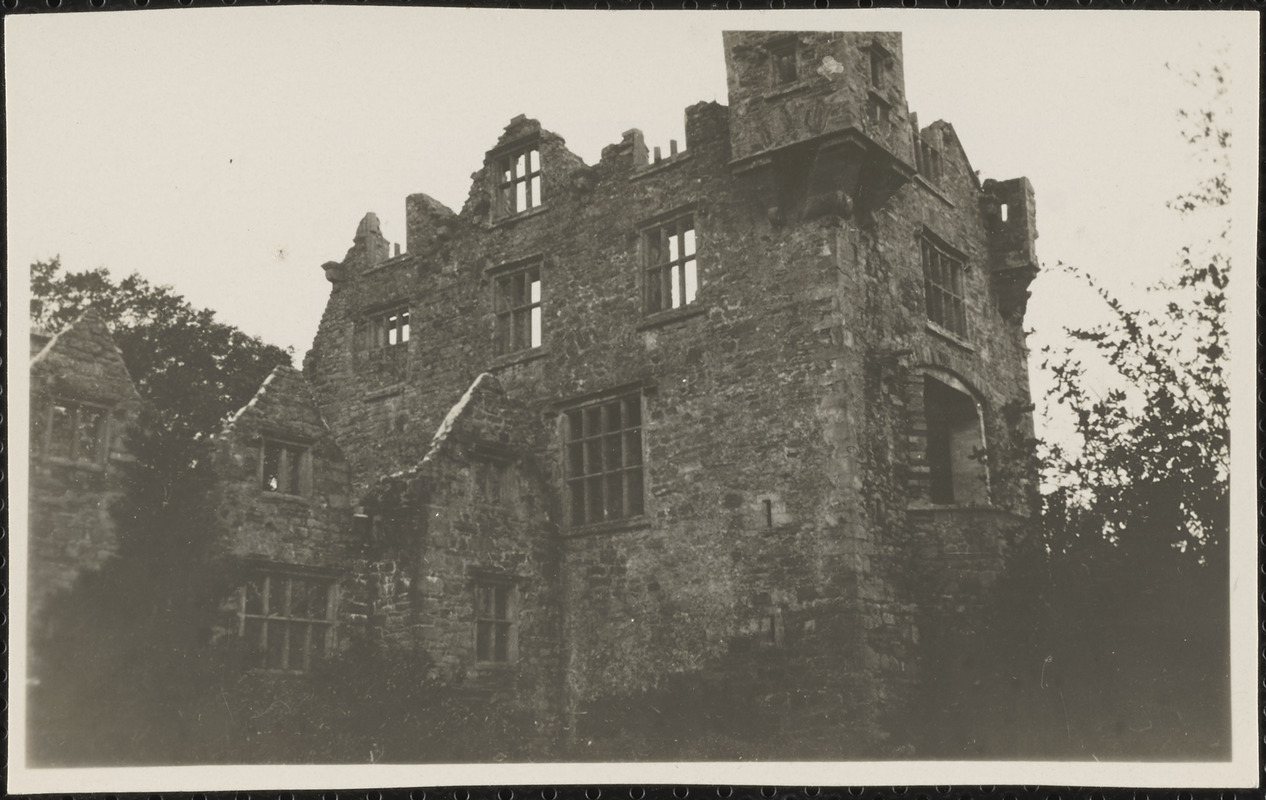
<point>191,368</point>
<point>1147,468</point>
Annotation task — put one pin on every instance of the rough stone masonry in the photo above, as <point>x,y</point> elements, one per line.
<point>679,444</point>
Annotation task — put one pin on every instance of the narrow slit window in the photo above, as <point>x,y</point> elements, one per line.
<point>769,513</point>
<point>879,112</point>
<point>878,67</point>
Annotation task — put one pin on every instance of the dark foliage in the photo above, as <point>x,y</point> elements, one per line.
<point>126,654</point>
<point>192,369</point>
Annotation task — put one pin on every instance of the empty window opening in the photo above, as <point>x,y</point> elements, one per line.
<point>1003,212</point>
<point>928,160</point>
<point>769,513</point>
<point>879,112</point>
<point>604,460</point>
<point>957,471</point>
<point>672,278</point>
<point>76,432</point>
<point>287,622</point>
<point>284,468</point>
<point>492,481</point>
<point>388,328</point>
<point>518,309</point>
<point>494,622</point>
<point>519,184</point>
<point>878,66</point>
<point>944,288</point>
<point>785,63</point>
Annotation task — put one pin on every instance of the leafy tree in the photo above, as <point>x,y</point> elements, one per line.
<point>190,367</point>
<point>1136,509</point>
<point>1147,467</point>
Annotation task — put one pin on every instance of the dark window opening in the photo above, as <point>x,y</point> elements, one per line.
<point>672,277</point>
<point>519,181</point>
<point>957,472</point>
<point>518,310</point>
<point>769,513</point>
<point>878,66</point>
<point>492,476</point>
<point>494,622</point>
<point>285,468</point>
<point>785,63</point>
<point>388,329</point>
<point>879,112</point>
<point>76,432</point>
<point>287,622</point>
<point>944,288</point>
<point>604,460</point>
<point>927,160</point>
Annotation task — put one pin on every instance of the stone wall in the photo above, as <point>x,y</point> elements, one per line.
<point>780,436</point>
<point>71,528</point>
<point>310,527</point>
<point>469,516</point>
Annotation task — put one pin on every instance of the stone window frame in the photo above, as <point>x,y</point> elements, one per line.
<point>879,66</point>
<point>879,111</point>
<point>492,463</point>
<point>288,448</point>
<point>927,159</point>
<point>506,332</point>
<point>945,270</point>
<point>495,600</point>
<point>387,326</point>
<point>779,49</point>
<point>664,227</point>
<point>278,625</point>
<point>101,437</point>
<point>587,435</point>
<point>922,478</point>
<point>511,167</point>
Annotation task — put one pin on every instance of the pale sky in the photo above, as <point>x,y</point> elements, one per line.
<point>229,152</point>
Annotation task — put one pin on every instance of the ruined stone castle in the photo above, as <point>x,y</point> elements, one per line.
<point>744,420</point>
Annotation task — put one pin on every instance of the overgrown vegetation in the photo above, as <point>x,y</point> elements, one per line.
<point>1137,516</point>
<point>123,656</point>
<point>1111,639</point>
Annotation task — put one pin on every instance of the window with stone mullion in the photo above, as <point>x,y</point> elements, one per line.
<point>285,621</point>
<point>520,181</point>
<point>493,622</point>
<point>943,285</point>
<point>518,308</point>
<point>75,432</point>
<point>672,279</point>
<point>604,461</point>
